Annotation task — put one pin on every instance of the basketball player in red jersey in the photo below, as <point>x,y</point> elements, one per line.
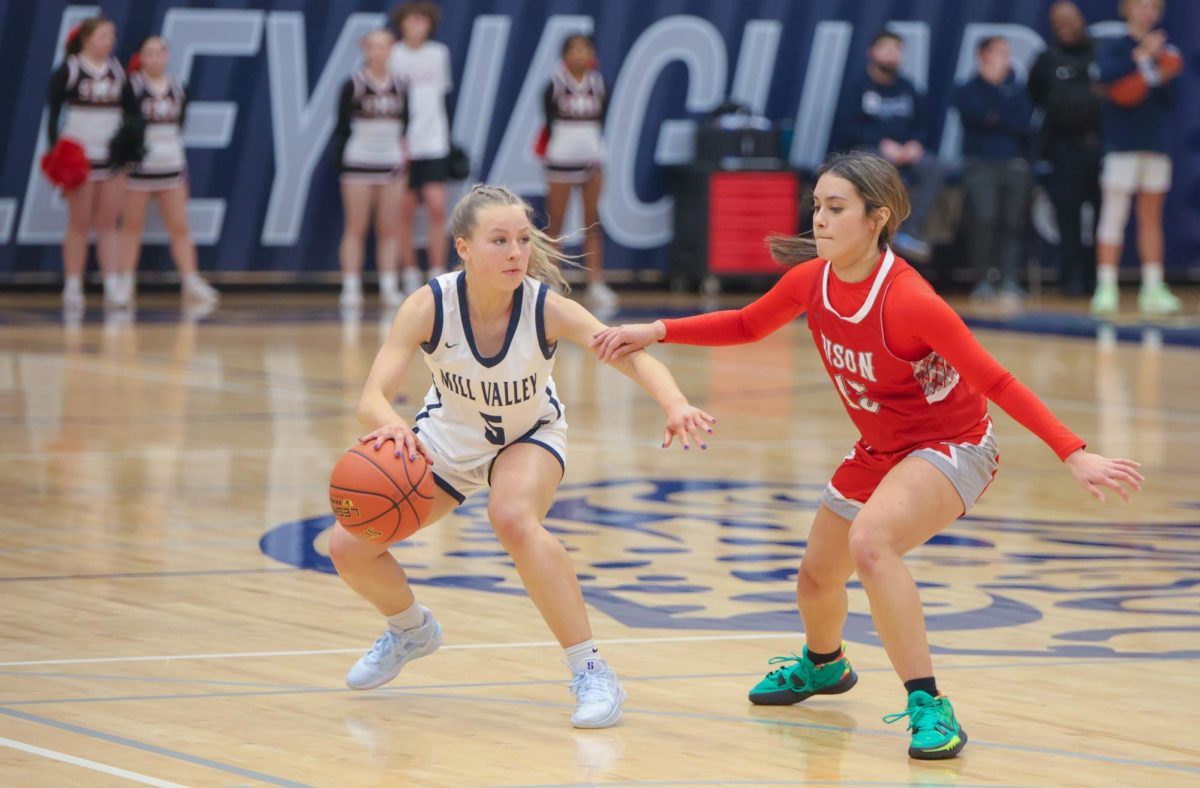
<point>916,384</point>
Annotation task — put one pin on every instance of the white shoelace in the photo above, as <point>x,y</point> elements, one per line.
<point>591,687</point>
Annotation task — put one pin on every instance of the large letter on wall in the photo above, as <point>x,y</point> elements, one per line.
<point>698,45</point>
<point>515,164</point>
<point>822,85</point>
<point>480,81</point>
<point>44,220</point>
<point>300,128</point>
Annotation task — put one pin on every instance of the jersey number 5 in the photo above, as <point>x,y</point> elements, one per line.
<point>854,395</point>
<point>492,429</point>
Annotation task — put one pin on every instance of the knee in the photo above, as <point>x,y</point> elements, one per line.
<point>514,524</point>
<point>812,585</point>
<point>867,548</point>
<point>350,553</point>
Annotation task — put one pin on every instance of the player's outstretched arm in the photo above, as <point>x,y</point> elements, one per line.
<point>412,326</point>
<point>568,320</point>
<point>1093,471</point>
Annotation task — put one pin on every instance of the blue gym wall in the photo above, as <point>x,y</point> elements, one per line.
<point>264,77</point>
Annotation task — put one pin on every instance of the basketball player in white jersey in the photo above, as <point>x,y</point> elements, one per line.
<point>575,103</point>
<point>86,92</point>
<point>423,65</point>
<point>157,99</point>
<point>369,141</point>
<point>492,419</point>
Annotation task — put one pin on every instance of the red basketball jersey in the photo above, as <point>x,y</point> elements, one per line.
<point>894,402</point>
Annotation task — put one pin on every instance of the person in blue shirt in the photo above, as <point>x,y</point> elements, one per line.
<point>995,111</point>
<point>886,114</point>
<point>1136,140</point>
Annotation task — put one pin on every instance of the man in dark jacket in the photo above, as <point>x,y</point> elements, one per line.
<point>996,112</point>
<point>1062,86</point>
<point>885,114</point>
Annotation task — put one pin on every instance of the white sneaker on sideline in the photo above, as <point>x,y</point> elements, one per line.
<point>411,280</point>
<point>115,294</point>
<point>73,299</point>
<point>392,651</point>
<point>196,287</point>
<point>601,296</point>
<point>598,696</point>
<point>351,297</point>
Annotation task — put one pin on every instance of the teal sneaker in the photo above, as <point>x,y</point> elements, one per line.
<point>1105,300</point>
<point>802,679</point>
<point>936,733</point>
<point>1157,300</point>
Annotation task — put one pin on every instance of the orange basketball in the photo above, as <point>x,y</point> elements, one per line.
<point>378,496</point>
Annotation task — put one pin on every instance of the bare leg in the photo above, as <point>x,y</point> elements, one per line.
<point>1150,226</point>
<point>557,196</point>
<point>524,480</point>
<point>105,210</point>
<point>387,229</point>
<point>821,581</point>
<point>173,205</point>
<point>133,224</point>
<point>372,571</point>
<point>593,239</point>
<point>79,224</point>
<point>356,202</point>
<point>408,240</point>
<point>437,246</point>
<point>914,502</point>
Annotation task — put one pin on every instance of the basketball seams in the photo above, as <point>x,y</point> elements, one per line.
<point>397,498</point>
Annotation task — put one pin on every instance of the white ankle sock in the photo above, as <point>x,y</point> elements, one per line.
<point>1152,274</point>
<point>73,284</point>
<point>352,282</point>
<point>1106,275</point>
<point>580,655</point>
<point>112,284</point>
<point>389,281</point>
<point>407,619</point>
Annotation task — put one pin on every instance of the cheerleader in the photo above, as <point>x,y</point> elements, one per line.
<point>423,65</point>
<point>155,99</point>
<point>369,140</point>
<point>575,103</point>
<point>86,92</point>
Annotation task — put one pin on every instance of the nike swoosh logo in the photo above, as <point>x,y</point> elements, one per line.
<point>449,345</point>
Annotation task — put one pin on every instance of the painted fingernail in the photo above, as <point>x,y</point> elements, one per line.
<point>412,457</point>
<point>379,445</point>
<point>710,432</point>
<point>687,448</point>
<point>704,446</point>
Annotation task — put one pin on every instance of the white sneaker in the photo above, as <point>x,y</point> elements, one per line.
<point>351,297</point>
<point>392,651</point>
<point>391,297</point>
<point>601,296</point>
<point>114,291</point>
<point>197,288</point>
<point>598,696</point>
<point>411,280</point>
<point>72,296</point>
<point>129,285</point>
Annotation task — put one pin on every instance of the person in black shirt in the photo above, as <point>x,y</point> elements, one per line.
<point>996,114</point>
<point>885,114</point>
<point>1062,86</point>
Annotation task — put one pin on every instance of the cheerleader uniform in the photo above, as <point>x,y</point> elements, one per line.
<point>89,98</point>
<point>372,117</point>
<point>162,108</point>
<point>575,111</point>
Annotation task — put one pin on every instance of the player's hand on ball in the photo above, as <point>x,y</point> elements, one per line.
<point>690,424</point>
<point>403,438</point>
<point>613,343</point>
<point>1092,471</point>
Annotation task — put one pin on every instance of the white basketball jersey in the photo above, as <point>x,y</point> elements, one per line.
<point>478,405</point>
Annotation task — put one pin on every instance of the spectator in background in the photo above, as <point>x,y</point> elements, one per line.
<point>1062,86</point>
<point>424,66</point>
<point>996,113</point>
<point>1137,71</point>
<point>575,103</point>
<point>369,151</point>
<point>886,114</point>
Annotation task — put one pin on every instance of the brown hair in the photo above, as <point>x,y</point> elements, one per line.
<point>879,185</point>
<point>545,257</point>
<point>84,31</point>
<point>426,9</point>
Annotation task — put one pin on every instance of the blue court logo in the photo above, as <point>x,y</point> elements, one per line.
<point>722,555</point>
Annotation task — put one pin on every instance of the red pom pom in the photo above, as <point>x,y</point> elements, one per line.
<point>543,141</point>
<point>72,34</point>
<point>135,62</point>
<point>66,164</point>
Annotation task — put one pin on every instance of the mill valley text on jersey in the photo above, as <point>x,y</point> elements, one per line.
<point>490,392</point>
